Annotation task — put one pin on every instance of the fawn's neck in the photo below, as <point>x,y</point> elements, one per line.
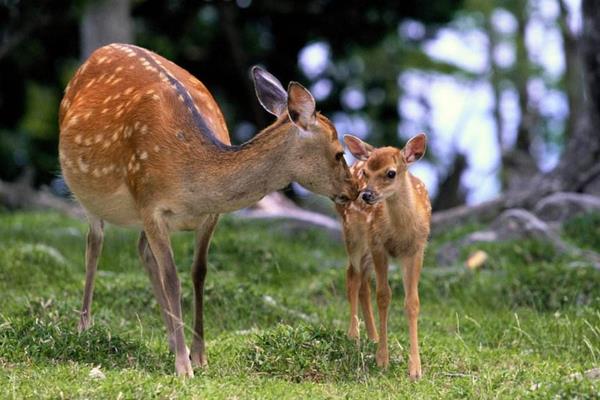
<point>401,206</point>
<point>244,174</point>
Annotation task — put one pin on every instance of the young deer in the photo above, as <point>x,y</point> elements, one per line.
<point>390,217</point>
<point>144,144</point>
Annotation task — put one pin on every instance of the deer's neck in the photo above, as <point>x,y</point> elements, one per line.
<point>241,175</point>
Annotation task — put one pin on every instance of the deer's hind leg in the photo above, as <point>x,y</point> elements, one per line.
<point>199,269</point>
<point>93,249</point>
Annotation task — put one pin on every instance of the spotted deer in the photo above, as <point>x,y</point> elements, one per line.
<point>144,144</point>
<point>390,217</point>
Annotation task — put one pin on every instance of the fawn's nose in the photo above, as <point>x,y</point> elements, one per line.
<point>368,196</point>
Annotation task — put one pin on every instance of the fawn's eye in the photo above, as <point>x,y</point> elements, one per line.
<point>391,174</point>
<point>364,174</point>
<point>339,156</point>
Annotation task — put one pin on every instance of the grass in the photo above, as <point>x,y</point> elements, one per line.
<point>276,317</point>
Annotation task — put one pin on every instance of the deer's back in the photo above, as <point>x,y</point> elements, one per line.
<point>130,123</point>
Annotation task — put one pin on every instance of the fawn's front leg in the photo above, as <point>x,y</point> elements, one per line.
<point>158,238</point>
<point>411,273</point>
<point>384,296</point>
<point>199,268</point>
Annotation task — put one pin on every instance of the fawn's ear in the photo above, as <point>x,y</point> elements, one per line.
<point>415,148</point>
<point>301,106</point>
<point>359,149</point>
<point>269,91</point>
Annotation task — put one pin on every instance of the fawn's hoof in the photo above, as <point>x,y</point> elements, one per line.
<point>354,334</point>
<point>414,371</point>
<point>383,359</point>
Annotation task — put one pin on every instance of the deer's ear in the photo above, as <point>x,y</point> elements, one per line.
<point>301,106</point>
<point>269,91</point>
<point>415,148</point>
<point>359,149</point>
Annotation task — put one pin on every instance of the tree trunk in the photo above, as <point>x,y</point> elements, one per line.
<point>104,22</point>
<point>580,161</point>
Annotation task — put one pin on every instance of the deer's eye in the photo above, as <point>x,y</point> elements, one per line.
<point>391,174</point>
<point>339,156</point>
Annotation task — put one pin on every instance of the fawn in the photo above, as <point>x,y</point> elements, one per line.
<point>390,217</point>
<point>144,144</point>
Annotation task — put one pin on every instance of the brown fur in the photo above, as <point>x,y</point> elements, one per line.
<point>398,226</point>
<point>144,144</point>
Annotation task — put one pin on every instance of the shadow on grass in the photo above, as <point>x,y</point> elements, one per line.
<point>313,353</point>
<point>47,341</point>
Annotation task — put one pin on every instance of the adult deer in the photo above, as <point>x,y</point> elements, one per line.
<point>144,144</point>
<point>390,217</point>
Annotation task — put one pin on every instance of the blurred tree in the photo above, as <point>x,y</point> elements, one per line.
<point>105,22</point>
<point>216,40</point>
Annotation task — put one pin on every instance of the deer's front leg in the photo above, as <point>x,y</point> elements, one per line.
<point>411,273</point>
<point>93,249</point>
<point>384,296</point>
<point>158,238</point>
<point>199,268</point>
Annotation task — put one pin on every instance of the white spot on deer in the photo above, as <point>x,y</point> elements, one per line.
<point>96,173</point>
<point>106,100</point>
<point>87,115</point>
<point>156,97</point>
<point>65,103</point>
<point>136,125</point>
<point>131,54</point>
<point>156,148</point>
<point>101,60</point>
<point>150,91</point>
<point>180,97</point>
<point>120,106</point>
<point>116,81</point>
<point>98,138</point>
<point>117,96</point>
<point>144,129</point>
<point>144,155</point>
<point>119,113</point>
<point>78,139</point>
<point>83,167</point>
<point>88,141</point>
<point>73,120</point>
<point>104,111</point>
<point>90,83</point>
<point>118,69</point>
<point>115,136</point>
<point>128,131</point>
<point>128,90</point>
<point>106,144</point>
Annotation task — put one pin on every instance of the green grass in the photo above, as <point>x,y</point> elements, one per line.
<point>276,316</point>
